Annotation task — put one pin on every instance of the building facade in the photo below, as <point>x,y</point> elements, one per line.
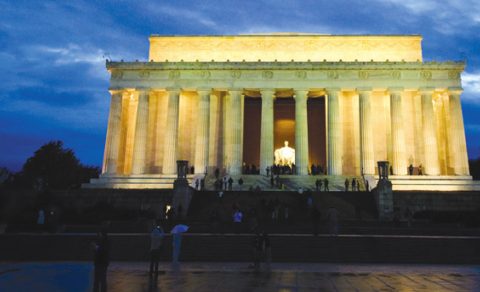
<point>342,102</point>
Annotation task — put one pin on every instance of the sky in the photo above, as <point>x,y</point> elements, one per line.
<point>52,54</point>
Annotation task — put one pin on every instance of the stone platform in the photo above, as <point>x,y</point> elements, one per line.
<point>290,182</point>
<point>142,181</point>
<point>434,183</point>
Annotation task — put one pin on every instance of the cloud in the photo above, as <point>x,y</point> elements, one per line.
<point>89,116</point>
<point>471,87</point>
<point>185,15</point>
<point>448,17</point>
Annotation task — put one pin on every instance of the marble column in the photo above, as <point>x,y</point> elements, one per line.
<point>171,133</point>
<point>202,132</point>
<point>366,132</point>
<point>141,127</point>
<point>112,143</point>
<point>266,130</point>
<point>335,135</point>
<point>458,145</point>
<point>301,132</point>
<point>399,163</point>
<point>431,164</point>
<point>236,126</point>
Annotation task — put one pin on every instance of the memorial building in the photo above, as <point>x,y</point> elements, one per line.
<point>337,102</point>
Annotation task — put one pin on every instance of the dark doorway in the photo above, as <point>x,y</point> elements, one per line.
<point>251,130</point>
<point>316,131</point>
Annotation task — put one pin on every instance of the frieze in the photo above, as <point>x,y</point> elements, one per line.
<point>395,74</point>
<point>301,74</point>
<point>267,74</point>
<point>236,74</point>
<point>332,74</point>
<point>363,75</point>
<point>117,74</point>
<point>144,74</point>
<point>175,74</point>
<point>453,74</point>
<point>205,74</point>
<point>426,75</point>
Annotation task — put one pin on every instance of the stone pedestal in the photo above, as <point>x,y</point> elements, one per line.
<point>182,193</point>
<point>383,193</point>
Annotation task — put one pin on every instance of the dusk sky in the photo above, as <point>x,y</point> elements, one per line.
<point>52,54</point>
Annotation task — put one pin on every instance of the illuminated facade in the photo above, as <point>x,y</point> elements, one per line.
<point>343,102</point>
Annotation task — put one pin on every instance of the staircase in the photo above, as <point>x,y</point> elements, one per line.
<point>288,182</point>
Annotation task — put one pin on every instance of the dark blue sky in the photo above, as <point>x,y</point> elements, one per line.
<point>53,78</point>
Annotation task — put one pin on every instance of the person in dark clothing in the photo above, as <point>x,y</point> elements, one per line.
<point>156,238</point>
<point>266,250</point>
<point>101,260</point>
<point>257,250</point>
<point>326,185</point>
<point>230,184</point>
<point>346,184</point>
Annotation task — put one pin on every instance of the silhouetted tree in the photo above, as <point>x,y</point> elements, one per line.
<point>475,168</point>
<point>54,167</point>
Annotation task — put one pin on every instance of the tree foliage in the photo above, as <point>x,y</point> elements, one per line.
<point>475,168</point>
<point>54,167</point>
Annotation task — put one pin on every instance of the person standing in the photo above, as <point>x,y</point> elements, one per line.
<point>41,220</point>
<point>326,184</point>
<point>237,220</point>
<point>266,250</point>
<point>176,245</point>
<point>230,184</point>
<point>256,250</point>
<point>156,239</point>
<point>346,184</point>
<point>354,185</point>
<point>101,260</point>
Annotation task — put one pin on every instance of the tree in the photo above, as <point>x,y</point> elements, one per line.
<point>54,167</point>
<point>475,168</point>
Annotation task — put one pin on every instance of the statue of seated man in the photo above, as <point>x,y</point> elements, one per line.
<point>285,155</point>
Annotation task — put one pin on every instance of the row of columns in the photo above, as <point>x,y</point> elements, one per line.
<point>234,140</point>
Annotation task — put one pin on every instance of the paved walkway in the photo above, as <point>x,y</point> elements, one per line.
<point>76,276</point>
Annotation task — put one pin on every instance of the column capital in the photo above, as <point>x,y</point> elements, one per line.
<point>332,89</point>
<point>268,90</point>
<point>426,90</point>
<point>173,89</point>
<point>235,91</point>
<point>115,91</point>
<point>395,90</point>
<point>364,90</point>
<point>204,92</point>
<point>268,93</point>
<point>300,94</point>
<point>455,90</point>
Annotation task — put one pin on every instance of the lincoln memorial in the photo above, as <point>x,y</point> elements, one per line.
<point>340,103</point>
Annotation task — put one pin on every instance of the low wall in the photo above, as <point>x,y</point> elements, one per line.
<point>237,248</point>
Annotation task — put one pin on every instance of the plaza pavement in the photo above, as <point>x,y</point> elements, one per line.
<point>133,276</point>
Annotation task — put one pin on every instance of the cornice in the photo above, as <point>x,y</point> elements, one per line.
<point>433,65</point>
